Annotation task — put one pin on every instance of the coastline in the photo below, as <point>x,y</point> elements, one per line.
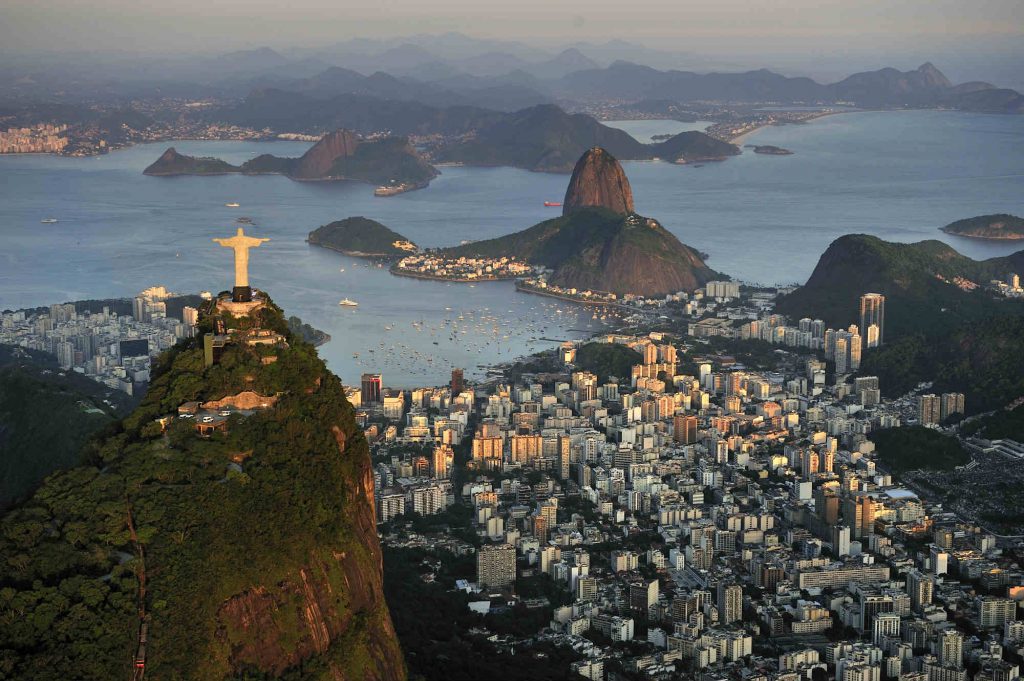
<point>738,139</point>
<point>354,254</point>
<point>430,277</point>
<point>580,301</point>
<point>978,237</point>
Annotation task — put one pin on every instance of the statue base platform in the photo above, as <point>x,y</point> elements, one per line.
<point>239,309</point>
<point>241,294</point>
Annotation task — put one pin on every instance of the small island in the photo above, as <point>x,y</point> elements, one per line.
<point>999,226</point>
<point>771,150</point>
<point>362,238</point>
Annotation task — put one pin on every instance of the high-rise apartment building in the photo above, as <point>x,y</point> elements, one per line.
<point>929,409</point>
<point>684,429</point>
<point>949,404</point>
<point>458,383</point>
<point>496,566</point>
<point>730,603</point>
<point>372,386</point>
<point>872,312</point>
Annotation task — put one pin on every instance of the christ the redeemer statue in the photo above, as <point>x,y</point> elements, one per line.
<point>241,244</point>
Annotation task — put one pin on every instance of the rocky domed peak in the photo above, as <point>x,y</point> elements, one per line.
<point>598,180</point>
<point>317,161</point>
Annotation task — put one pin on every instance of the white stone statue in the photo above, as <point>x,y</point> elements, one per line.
<point>241,245</point>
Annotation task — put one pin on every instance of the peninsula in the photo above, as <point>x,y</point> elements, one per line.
<point>340,155</point>
<point>599,244</point>
<point>1000,226</point>
<point>362,238</point>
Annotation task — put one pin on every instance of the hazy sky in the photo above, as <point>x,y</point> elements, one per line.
<point>719,25</point>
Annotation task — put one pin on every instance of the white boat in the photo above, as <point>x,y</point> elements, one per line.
<point>232,205</point>
<point>348,303</point>
<point>49,221</point>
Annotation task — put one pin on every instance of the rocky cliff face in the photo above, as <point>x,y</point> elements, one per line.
<point>598,180</point>
<point>316,162</point>
<point>333,601</point>
<point>637,255</point>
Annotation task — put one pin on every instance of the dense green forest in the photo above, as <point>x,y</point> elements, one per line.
<point>984,360</point>
<point>434,623</point>
<point>608,359</point>
<point>46,416</point>
<point>905,449</point>
<point>358,235</point>
<point>998,425</point>
<point>209,525</point>
<point>918,281</point>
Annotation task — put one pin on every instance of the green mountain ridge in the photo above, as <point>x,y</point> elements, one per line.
<point>961,340</point>
<point>544,138</point>
<point>35,394</point>
<point>917,279</point>
<point>256,546</point>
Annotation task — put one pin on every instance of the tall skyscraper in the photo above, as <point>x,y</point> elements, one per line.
<point>458,383</point>
<point>730,603</point>
<point>442,455</point>
<point>371,388</point>
<point>951,648</point>
<point>842,355</point>
<point>684,429</point>
<point>872,311</point>
<point>951,403</point>
<point>929,409</point>
<point>921,588</point>
<point>496,566</point>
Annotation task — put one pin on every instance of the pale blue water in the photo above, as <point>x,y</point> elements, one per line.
<point>761,218</point>
<point>644,130</point>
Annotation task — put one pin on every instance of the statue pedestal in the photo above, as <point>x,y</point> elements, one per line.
<point>241,294</point>
<point>237,309</point>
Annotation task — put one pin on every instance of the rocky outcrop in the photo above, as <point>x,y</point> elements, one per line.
<point>318,161</point>
<point>173,163</point>
<point>636,256</point>
<point>332,607</point>
<point>247,399</point>
<point>598,181</point>
<point>340,155</point>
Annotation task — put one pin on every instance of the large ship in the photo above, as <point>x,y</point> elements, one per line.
<point>232,205</point>
<point>348,303</point>
<point>49,221</point>
<point>552,204</point>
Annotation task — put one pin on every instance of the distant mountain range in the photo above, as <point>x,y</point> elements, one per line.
<point>340,155</point>
<point>924,87</point>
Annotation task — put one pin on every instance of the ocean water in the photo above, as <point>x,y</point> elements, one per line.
<point>763,219</point>
<point>644,130</point>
